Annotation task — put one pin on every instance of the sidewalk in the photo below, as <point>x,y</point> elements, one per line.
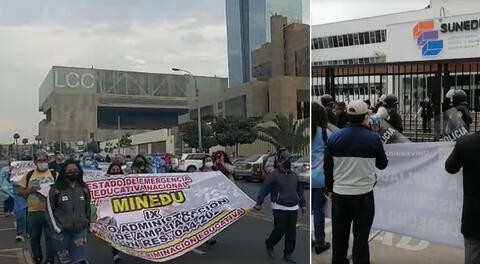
<point>11,252</point>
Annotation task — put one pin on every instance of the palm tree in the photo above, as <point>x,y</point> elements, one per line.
<point>25,141</point>
<point>16,136</point>
<point>287,132</point>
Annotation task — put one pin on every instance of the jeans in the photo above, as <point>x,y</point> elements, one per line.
<point>285,223</point>
<point>21,219</point>
<point>70,246</point>
<point>37,224</point>
<point>318,207</point>
<point>472,251</point>
<point>359,209</point>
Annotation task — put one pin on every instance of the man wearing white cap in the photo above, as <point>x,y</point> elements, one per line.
<point>351,156</point>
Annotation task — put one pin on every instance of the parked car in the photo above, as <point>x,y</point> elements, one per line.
<point>191,162</point>
<point>250,168</point>
<point>236,161</point>
<point>302,168</point>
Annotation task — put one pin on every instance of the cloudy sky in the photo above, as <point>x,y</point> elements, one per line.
<point>114,34</point>
<point>327,11</point>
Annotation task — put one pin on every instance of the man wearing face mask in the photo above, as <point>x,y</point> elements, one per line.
<point>36,204</point>
<point>286,193</point>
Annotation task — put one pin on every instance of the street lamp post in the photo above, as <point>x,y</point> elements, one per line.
<point>199,122</point>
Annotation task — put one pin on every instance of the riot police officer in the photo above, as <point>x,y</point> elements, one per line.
<point>328,102</point>
<point>459,100</point>
<point>390,102</point>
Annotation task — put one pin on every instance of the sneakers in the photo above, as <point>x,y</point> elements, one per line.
<point>116,258</point>
<point>20,238</point>
<point>288,259</point>
<point>320,249</point>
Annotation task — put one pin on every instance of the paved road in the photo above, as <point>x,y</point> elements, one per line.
<point>397,249</point>
<point>241,243</point>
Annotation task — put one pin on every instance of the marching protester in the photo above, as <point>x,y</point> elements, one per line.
<point>115,169</point>
<point>68,204</point>
<point>222,163</point>
<point>319,133</point>
<point>465,155</point>
<point>207,165</point>
<point>286,194</point>
<point>351,156</point>
<point>36,204</point>
<point>6,191</point>
<point>140,165</point>
<point>56,164</point>
<point>19,205</point>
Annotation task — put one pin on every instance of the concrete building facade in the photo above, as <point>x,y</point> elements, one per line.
<point>83,104</point>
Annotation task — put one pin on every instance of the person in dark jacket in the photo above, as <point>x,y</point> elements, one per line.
<point>328,102</point>
<point>394,118</point>
<point>140,165</point>
<point>351,156</point>
<point>56,165</point>
<point>459,101</point>
<point>341,114</point>
<point>466,155</point>
<point>68,206</point>
<point>286,194</point>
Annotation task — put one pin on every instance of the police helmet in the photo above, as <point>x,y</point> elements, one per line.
<point>459,97</point>
<point>390,100</point>
<point>327,100</point>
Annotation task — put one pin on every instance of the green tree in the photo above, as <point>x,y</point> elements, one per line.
<point>287,132</point>
<point>190,135</point>
<point>232,131</point>
<point>109,148</point>
<point>125,141</point>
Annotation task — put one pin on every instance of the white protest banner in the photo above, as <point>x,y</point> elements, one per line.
<point>19,169</point>
<point>163,216</point>
<point>415,196</point>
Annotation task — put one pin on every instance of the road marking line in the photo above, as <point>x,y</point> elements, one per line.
<point>7,229</point>
<point>28,257</point>
<point>198,251</point>
<point>10,249</point>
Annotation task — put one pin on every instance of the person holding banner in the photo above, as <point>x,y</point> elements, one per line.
<point>29,186</point>
<point>115,169</point>
<point>68,204</point>
<point>222,163</point>
<point>286,194</point>
<point>140,165</point>
<point>466,155</point>
<point>320,133</point>
<point>351,156</point>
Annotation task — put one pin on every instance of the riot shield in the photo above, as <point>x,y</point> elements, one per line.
<point>449,126</point>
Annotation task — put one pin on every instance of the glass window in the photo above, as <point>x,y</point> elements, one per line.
<point>325,43</point>
<point>378,36</point>
<point>366,37</point>
<point>361,38</point>
<point>384,35</point>
<point>320,43</point>
<point>330,42</point>
<point>372,37</point>
<point>340,41</point>
<point>335,41</point>
<point>355,39</point>
<point>345,40</point>
<point>350,39</point>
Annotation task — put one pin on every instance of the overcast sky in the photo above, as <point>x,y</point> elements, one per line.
<point>327,11</point>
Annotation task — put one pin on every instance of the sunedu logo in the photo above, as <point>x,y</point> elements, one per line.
<point>427,38</point>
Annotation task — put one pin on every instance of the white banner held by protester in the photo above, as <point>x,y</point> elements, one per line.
<point>19,169</point>
<point>159,217</point>
<point>415,196</point>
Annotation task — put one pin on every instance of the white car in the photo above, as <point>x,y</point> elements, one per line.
<point>302,168</point>
<point>191,162</point>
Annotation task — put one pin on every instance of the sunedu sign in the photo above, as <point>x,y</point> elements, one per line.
<point>446,38</point>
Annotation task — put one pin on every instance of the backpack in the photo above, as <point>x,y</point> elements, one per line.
<point>30,173</point>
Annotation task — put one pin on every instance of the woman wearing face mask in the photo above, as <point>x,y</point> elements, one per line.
<point>140,165</point>
<point>68,205</point>
<point>115,169</point>
<point>222,163</point>
<point>207,165</point>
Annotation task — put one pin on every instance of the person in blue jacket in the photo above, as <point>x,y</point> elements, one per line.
<point>320,134</point>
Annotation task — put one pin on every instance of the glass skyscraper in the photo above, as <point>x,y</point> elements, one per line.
<point>248,27</point>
